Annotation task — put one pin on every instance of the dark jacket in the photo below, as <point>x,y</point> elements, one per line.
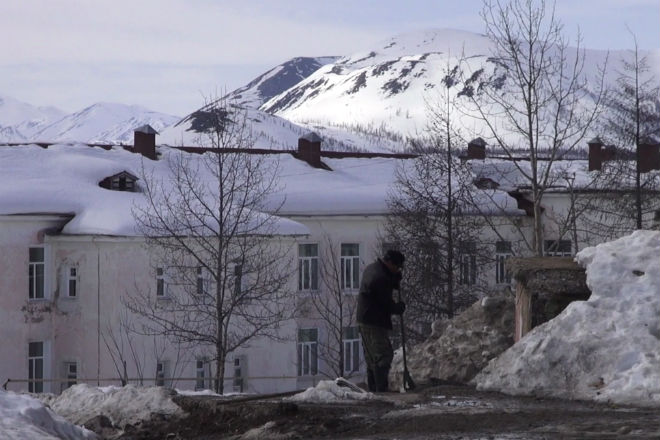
<point>375,303</point>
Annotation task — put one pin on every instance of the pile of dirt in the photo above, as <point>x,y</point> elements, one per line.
<point>459,348</point>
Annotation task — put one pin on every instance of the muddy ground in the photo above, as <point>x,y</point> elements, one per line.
<point>441,412</point>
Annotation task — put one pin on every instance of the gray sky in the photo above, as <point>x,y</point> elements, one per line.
<point>168,54</point>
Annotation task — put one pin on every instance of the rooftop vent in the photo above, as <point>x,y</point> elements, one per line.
<point>309,150</point>
<point>144,141</point>
<point>476,149</point>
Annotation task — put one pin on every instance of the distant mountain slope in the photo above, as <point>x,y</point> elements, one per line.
<point>388,87</point>
<point>272,132</point>
<point>20,120</point>
<point>103,123</point>
<point>277,80</point>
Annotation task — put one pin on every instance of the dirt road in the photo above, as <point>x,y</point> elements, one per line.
<point>443,412</point>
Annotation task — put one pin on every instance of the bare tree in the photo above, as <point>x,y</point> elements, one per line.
<point>221,264</point>
<point>431,217</point>
<point>335,304</point>
<point>632,122</point>
<point>122,348</point>
<point>537,101</point>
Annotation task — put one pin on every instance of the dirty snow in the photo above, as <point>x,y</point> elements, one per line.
<point>24,417</point>
<point>605,349</point>
<point>122,405</point>
<point>329,391</point>
<point>458,348</point>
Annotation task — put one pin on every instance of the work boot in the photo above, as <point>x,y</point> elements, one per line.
<point>381,379</point>
<point>371,381</point>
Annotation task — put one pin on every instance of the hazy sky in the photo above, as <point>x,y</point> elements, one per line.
<point>168,54</point>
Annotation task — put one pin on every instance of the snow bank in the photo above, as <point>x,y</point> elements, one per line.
<point>604,349</point>
<point>24,417</point>
<point>329,391</point>
<point>122,405</point>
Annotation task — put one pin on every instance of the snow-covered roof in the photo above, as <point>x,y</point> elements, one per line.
<point>510,175</point>
<point>64,179</point>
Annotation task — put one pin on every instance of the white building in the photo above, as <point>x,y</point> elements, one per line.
<point>70,252</point>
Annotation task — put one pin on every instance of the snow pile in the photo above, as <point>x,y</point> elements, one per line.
<point>460,347</point>
<point>604,349</point>
<point>24,417</point>
<point>127,405</point>
<point>329,391</point>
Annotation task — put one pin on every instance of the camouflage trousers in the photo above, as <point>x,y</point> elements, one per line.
<point>377,347</point>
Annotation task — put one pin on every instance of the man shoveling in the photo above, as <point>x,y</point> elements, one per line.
<point>374,316</point>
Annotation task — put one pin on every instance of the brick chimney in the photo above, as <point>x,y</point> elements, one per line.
<point>309,149</point>
<point>144,141</point>
<point>476,149</point>
<point>649,156</point>
<point>595,157</point>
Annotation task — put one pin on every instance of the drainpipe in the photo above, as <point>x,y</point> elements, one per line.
<point>98,312</point>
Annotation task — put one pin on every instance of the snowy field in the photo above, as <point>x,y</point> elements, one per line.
<point>606,349</point>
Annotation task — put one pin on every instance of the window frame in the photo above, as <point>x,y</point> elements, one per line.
<point>557,252</point>
<point>307,353</point>
<point>308,263</point>
<point>239,365</point>
<point>238,279</point>
<point>161,283</point>
<point>72,377</point>
<point>33,274</point>
<point>34,365</point>
<point>467,264</point>
<point>201,373</point>
<point>349,268</point>
<point>502,253</point>
<point>352,350</point>
<point>72,277</point>
<point>161,372</point>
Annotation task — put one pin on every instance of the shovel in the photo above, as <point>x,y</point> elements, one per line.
<point>408,383</point>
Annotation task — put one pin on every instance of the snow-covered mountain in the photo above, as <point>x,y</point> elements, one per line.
<point>19,120</point>
<point>277,80</point>
<point>103,123</point>
<point>273,132</point>
<point>387,88</point>
<point>98,123</point>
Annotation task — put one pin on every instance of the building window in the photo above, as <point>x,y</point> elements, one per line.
<point>71,374</point>
<point>36,367</point>
<point>200,281</point>
<point>308,351</point>
<point>160,282</point>
<point>351,349</point>
<point>239,374</point>
<point>308,267</point>
<point>161,373</point>
<point>502,253</point>
<point>238,279</point>
<point>557,248</point>
<point>122,182</point>
<point>201,374</point>
<point>350,266</point>
<point>467,264</point>
<point>36,273</point>
<point>72,282</point>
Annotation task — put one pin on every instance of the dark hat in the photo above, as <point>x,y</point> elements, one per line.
<point>395,257</point>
